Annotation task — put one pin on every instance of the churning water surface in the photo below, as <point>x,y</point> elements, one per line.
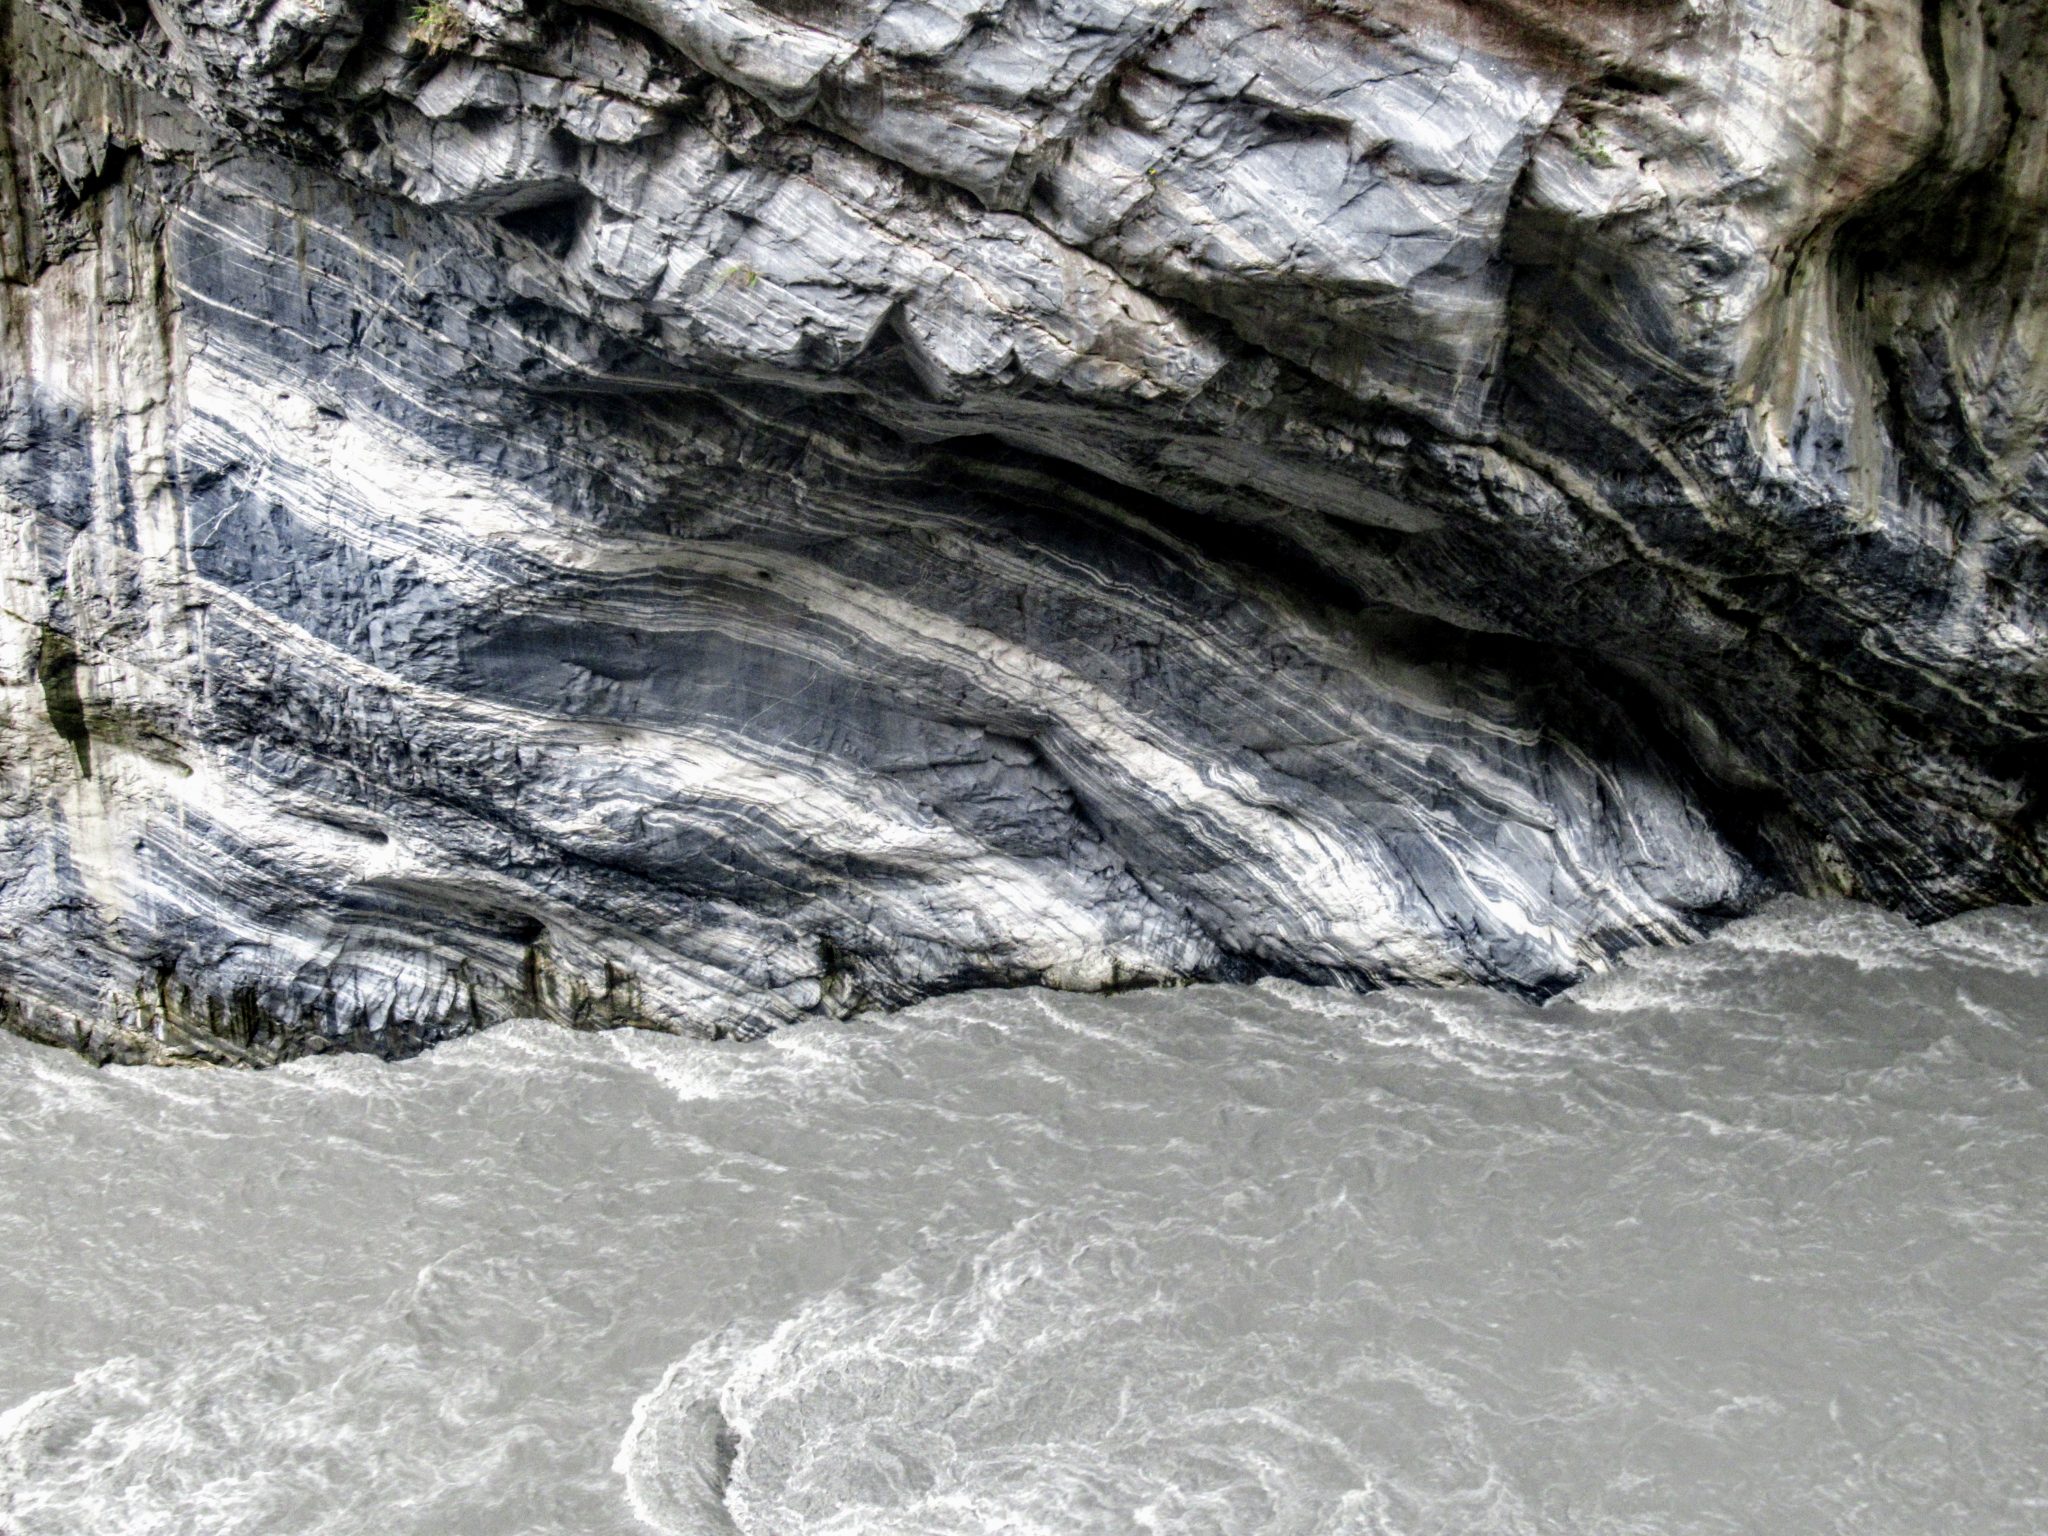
<point>1751,1237</point>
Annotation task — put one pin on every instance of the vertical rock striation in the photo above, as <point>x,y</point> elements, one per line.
<point>693,514</point>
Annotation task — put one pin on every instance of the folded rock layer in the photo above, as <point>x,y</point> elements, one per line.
<point>694,514</point>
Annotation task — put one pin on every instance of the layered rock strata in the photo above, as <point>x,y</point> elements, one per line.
<point>694,514</point>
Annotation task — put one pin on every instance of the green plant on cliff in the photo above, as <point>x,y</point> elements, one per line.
<point>1592,147</point>
<point>437,25</point>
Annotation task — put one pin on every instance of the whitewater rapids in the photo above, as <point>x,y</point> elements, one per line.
<point>1748,1237</point>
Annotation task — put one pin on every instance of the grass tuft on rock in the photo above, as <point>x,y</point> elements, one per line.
<point>437,26</point>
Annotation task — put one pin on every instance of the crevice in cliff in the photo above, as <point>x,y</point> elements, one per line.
<point>550,223</point>
<point>134,19</point>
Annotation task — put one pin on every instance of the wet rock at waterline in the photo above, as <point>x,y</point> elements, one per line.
<point>702,515</point>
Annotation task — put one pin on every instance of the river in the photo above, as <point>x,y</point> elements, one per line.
<point>1747,1237</point>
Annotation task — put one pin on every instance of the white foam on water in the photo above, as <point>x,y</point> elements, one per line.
<point>805,1061</point>
<point>1048,1382</point>
<point>1485,1034</point>
<point>38,1084</point>
<point>317,1435</point>
<point>1725,969</point>
<point>346,1074</point>
<point>517,1045</point>
<point>1869,938</point>
<point>691,1070</point>
<point>676,1454</point>
<point>2006,939</point>
<point>123,1451</point>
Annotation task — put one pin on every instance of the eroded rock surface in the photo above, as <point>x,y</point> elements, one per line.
<point>692,513</point>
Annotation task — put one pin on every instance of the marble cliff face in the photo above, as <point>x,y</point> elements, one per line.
<point>697,514</point>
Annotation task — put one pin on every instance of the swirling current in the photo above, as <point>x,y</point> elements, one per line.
<point>1747,1237</point>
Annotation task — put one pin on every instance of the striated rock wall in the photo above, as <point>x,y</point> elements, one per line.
<point>693,514</point>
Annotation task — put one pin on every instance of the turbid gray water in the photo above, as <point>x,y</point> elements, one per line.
<point>1750,1237</point>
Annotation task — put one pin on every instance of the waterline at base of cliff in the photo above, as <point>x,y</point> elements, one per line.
<point>1750,1236</point>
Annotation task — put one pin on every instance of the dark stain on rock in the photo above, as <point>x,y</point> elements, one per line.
<point>57,669</point>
